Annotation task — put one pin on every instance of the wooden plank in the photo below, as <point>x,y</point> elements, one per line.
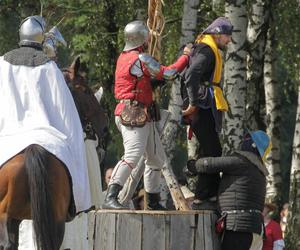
<point>129,232</point>
<point>154,232</point>
<point>167,233</point>
<point>152,212</point>
<point>208,229</point>
<point>105,231</point>
<point>199,237</point>
<point>76,233</point>
<point>91,229</point>
<point>215,238</point>
<point>182,232</point>
<point>176,193</point>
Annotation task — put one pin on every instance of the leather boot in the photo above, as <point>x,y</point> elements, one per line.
<point>111,198</point>
<point>153,201</point>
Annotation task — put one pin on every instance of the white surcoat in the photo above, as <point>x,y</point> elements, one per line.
<point>36,107</point>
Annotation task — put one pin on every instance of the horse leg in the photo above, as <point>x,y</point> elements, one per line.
<point>13,233</point>
<point>4,239</point>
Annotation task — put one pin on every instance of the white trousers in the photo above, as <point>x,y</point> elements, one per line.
<point>140,142</point>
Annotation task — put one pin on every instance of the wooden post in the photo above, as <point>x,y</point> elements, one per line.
<point>176,193</point>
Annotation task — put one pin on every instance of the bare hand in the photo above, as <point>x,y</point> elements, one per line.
<point>189,111</point>
<point>187,49</point>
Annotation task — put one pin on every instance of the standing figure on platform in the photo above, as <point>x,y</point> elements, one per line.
<point>205,103</point>
<point>135,115</point>
<point>242,190</point>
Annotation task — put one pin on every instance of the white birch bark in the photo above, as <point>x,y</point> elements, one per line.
<point>235,76</point>
<point>257,36</point>
<point>188,29</point>
<point>294,216</point>
<point>189,21</point>
<point>273,118</point>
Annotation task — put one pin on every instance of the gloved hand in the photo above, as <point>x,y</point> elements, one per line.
<point>190,169</point>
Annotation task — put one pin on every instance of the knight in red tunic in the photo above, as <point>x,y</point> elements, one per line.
<point>133,75</point>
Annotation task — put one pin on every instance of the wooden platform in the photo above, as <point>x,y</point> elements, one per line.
<point>152,230</point>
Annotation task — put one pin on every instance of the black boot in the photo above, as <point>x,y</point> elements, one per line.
<point>153,202</point>
<point>111,198</point>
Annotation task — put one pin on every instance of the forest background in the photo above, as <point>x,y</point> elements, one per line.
<point>261,74</point>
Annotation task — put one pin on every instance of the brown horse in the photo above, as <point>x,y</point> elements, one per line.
<point>93,118</point>
<point>35,185</point>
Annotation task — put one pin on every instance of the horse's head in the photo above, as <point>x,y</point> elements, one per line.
<point>92,115</point>
<point>74,78</point>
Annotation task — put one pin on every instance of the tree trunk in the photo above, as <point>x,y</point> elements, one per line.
<point>189,21</point>
<point>273,121</point>
<point>235,76</point>
<point>257,35</point>
<point>293,241</point>
<point>188,29</point>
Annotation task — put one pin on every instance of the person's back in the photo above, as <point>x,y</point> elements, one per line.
<point>242,190</point>
<point>36,107</point>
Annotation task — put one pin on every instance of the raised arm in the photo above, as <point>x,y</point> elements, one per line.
<point>158,71</point>
<point>213,165</point>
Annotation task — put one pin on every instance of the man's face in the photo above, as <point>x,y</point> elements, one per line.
<point>222,40</point>
<point>265,212</point>
<point>108,175</point>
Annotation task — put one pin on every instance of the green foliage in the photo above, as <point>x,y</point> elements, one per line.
<point>94,29</point>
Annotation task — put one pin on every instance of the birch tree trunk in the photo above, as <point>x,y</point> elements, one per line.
<point>188,29</point>
<point>293,232</point>
<point>273,121</point>
<point>189,21</point>
<point>257,35</point>
<point>235,76</point>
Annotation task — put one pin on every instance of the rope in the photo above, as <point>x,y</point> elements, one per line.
<point>156,24</point>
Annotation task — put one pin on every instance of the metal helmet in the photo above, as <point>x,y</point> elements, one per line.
<point>32,30</point>
<point>136,34</point>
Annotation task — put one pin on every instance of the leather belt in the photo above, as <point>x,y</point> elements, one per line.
<point>242,211</point>
<point>133,102</point>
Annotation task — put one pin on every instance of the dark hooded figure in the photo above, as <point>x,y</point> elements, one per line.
<point>242,190</point>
